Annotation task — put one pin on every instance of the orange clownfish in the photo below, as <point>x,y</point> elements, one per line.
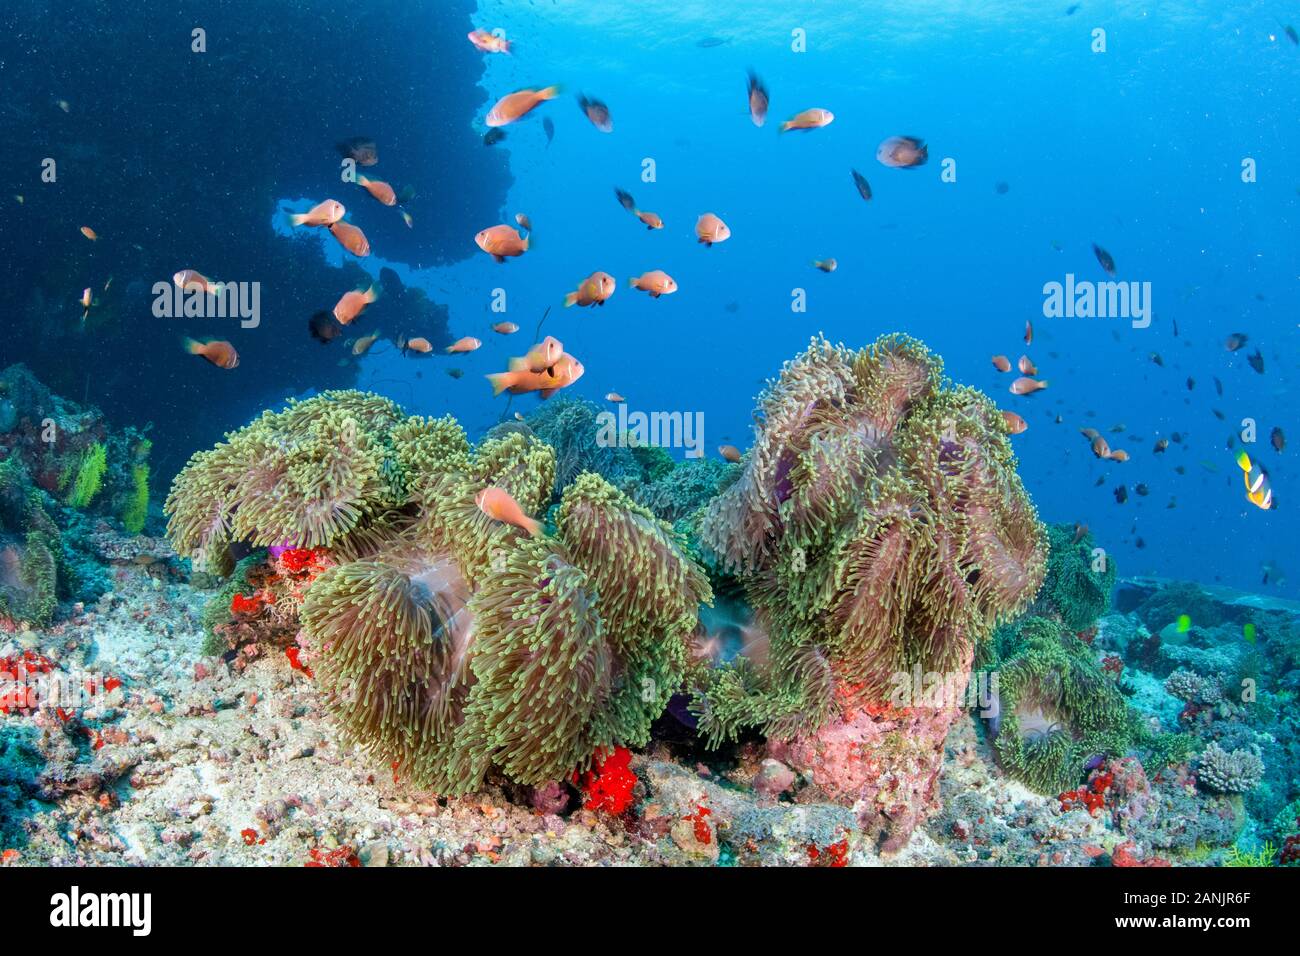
<point>220,354</point>
<point>656,282</point>
<point>1015,424</point>
<point>594,290</point>
<point>188,280</point>
<point>379,189</point>
<point>1026,386</point>
<point>353,304</point>
<point>541,356</point>
<point>489,42</point>
<point>501,241</point>
<point>710,229</point>
<point>351,238</point>
<point>323,214</point>
<point>625,199</point>
<point>809,119</point>
<point>520,379</point>
<point>498,505</point>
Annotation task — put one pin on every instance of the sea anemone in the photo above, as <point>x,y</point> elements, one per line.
<point>311,474</point>
<point>1077,586</point>
<point>395,637</point>
<point>1056,708</point>
<point>447,643</point>
<point>878,524</point>
<point>542,669</point>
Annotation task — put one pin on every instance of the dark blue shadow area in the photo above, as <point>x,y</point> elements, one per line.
<point>176,159</point>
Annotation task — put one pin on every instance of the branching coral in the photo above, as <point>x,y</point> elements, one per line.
<point>1192,688</point>
<point>878,524</point>
<point>1221,771</point>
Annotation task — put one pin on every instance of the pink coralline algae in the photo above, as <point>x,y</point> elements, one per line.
<point>884,761</point>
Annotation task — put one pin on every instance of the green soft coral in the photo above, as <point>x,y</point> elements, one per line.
<point>87,475</point>
<point>136,508</point>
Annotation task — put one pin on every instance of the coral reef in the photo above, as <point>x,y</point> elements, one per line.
<point>870,544</point>
<point>1079,579</point>
<point>448,644</point>
<point>675,495</point>
<point>63,474</point>
<point>878,526</point>
<point>190,759</point>
<point>1058,710</point>
<point>1237,772</point>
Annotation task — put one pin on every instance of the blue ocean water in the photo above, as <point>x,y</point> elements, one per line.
<point>185,160</point>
